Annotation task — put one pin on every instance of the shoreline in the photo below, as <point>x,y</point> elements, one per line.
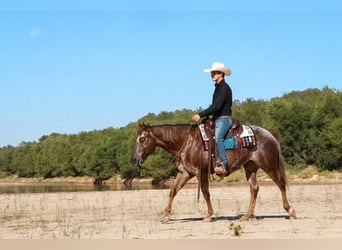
<point>308,175</point>
<point>116,180</point>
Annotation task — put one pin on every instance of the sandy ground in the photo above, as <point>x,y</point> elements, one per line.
<point>137,214</point>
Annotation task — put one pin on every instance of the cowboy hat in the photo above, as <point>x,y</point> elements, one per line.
<point>217,66</point>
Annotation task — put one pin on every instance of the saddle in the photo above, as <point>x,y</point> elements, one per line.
<point>236,129</point>
<point>242,134</point>
<point>239,136</point>
<point>243,137</point>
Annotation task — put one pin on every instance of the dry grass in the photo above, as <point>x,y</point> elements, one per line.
<point>52,215</point>
<point>137,214</point>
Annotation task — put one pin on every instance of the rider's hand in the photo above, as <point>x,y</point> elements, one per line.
<point>196,118</point>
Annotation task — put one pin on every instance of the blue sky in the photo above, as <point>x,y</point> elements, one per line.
<point>72,66</point>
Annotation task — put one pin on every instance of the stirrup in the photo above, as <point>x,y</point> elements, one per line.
<point>220,168</point>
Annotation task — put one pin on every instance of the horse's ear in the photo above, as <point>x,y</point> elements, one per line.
<point>143,126</point>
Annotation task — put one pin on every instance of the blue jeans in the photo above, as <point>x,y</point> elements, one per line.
<point>222,125</point>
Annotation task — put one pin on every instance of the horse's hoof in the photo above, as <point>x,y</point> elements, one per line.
<point>292,212</point>
<point>207,219</point>
<point>245,217</point>
<point>166,219</point>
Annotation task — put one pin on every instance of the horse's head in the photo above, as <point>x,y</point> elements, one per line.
<point>145,145</point>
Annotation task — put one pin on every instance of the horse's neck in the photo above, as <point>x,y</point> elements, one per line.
<point>172,137</point>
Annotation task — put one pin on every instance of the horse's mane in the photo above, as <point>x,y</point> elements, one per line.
<point>170,132</point>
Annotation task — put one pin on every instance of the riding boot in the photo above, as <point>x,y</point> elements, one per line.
<point>220,168</point>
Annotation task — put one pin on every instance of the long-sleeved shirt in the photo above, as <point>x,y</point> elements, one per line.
<point>221,103</point>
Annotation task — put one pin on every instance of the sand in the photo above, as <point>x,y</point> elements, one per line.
<point>137,214</point>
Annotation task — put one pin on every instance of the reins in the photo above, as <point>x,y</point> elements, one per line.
<point>200,167</point>
<point>210,154</point>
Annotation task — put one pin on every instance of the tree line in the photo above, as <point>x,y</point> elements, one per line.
<point>308,122</point>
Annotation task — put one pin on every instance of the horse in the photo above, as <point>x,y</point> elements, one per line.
<point>184,142</point>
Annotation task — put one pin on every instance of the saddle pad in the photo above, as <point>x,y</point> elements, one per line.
<point>247,137</point>
<point>229,143</point>
<point>247,131</point>
<point>248,141</point>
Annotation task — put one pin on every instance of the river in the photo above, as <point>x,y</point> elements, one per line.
<point>67,187</point>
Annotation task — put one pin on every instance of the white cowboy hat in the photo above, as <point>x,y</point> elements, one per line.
<point>217,66</point>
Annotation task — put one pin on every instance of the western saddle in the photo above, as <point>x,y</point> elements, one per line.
<point>236,131</point>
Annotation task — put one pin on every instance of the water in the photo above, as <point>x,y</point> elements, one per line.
<point>65,187</point>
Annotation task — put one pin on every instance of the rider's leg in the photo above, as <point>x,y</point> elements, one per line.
<point>222,125</point>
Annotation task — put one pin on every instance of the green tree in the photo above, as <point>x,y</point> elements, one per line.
<point>250,111</point>
<point>325,138</point>
<point>24,159</point>
<point>55,157</point>
<point>290,117</point>
<point>124,152</point>
<point>6,158</point>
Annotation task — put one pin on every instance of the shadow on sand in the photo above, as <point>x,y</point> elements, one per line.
<point>233,218</point>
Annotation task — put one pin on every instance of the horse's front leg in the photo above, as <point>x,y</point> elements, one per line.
<point>205,191</point>
<point>181,179</point>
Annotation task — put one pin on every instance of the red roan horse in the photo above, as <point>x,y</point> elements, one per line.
<point>185,143</point>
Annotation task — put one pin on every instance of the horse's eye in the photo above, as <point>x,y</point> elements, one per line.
<point>142,139</point>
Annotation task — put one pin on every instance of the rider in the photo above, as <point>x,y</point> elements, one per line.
<point>221,111</point>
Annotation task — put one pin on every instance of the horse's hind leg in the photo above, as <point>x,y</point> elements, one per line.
<point>181,180</point>
<point>286,203</point>
<point>280,180</point>
<point>254,189</point>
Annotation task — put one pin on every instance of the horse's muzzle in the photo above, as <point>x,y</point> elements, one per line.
<point>138,161</point>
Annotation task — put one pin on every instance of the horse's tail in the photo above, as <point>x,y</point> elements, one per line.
<point>275,134</point>
<point>281,169</point>
<point>281,162</point>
